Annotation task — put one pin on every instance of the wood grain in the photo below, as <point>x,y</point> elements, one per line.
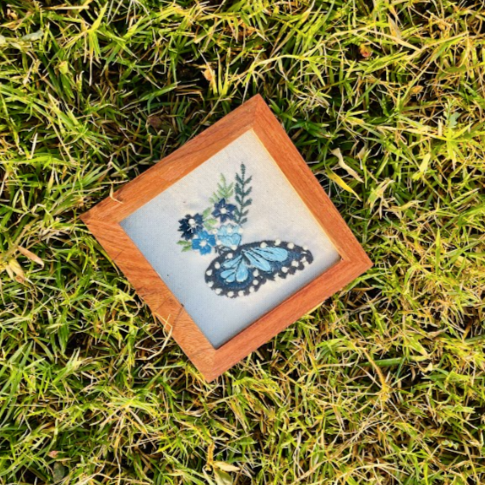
<point>103,221</point>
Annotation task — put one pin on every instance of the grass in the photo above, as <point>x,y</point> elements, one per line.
<point>385,382</point>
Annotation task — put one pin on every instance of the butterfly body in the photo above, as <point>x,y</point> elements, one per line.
<point>241,271</point>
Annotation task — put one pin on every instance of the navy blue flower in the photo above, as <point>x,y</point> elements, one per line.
<point>203,242</point>
<point>190,225</point>
<point>224,211</point>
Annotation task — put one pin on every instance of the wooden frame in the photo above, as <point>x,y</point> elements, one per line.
<point>103,220</point>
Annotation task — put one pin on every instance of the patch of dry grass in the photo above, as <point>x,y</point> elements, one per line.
<point>384,383</point>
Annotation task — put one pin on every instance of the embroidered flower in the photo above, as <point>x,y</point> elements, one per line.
<point>190,225</point>
<point>228,235</point>
<point>224,211</point>
<point>203,242</point>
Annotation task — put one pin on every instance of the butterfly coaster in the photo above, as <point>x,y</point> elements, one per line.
<point>229,239</point>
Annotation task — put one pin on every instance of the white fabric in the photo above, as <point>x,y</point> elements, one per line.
<point>277,212</point>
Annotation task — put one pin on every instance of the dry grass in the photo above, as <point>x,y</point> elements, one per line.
<point>383,384</point>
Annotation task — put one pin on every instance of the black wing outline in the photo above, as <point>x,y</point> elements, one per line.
<point>244,270</point>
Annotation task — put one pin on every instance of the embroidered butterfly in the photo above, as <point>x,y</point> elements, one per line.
<point>238,270</point>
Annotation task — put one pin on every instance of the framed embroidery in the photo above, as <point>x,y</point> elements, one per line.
<point>229,239</point>
<point>238,270</point>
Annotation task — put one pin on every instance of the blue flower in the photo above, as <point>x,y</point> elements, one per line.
<point>203,242</point>
<point>228,235</point>
<point>224,211</point>
<point>190,225</point>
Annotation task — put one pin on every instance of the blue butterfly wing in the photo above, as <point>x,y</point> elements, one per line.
<point>235,269</point>
<point>256,260</point>
<point>244,270</point>
<point>271,253</point>
<point>280,260</point>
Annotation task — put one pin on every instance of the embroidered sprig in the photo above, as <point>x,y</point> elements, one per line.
<point>224,190</point>
<point>243,189</point>
<point>218,228</point>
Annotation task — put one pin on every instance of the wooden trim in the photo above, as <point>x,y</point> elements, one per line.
<point>104,218</point>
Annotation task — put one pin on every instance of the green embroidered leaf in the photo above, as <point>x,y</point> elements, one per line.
<point>224,190</point>
<point>186,245</point>
<point>210,223</point>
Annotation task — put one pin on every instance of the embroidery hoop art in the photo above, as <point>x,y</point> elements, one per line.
<point>104,220</point>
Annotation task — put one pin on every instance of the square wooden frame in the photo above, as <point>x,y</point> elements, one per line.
<point>103,220</point>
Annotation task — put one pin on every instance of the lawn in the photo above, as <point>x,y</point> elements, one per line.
<point>385,382</point>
